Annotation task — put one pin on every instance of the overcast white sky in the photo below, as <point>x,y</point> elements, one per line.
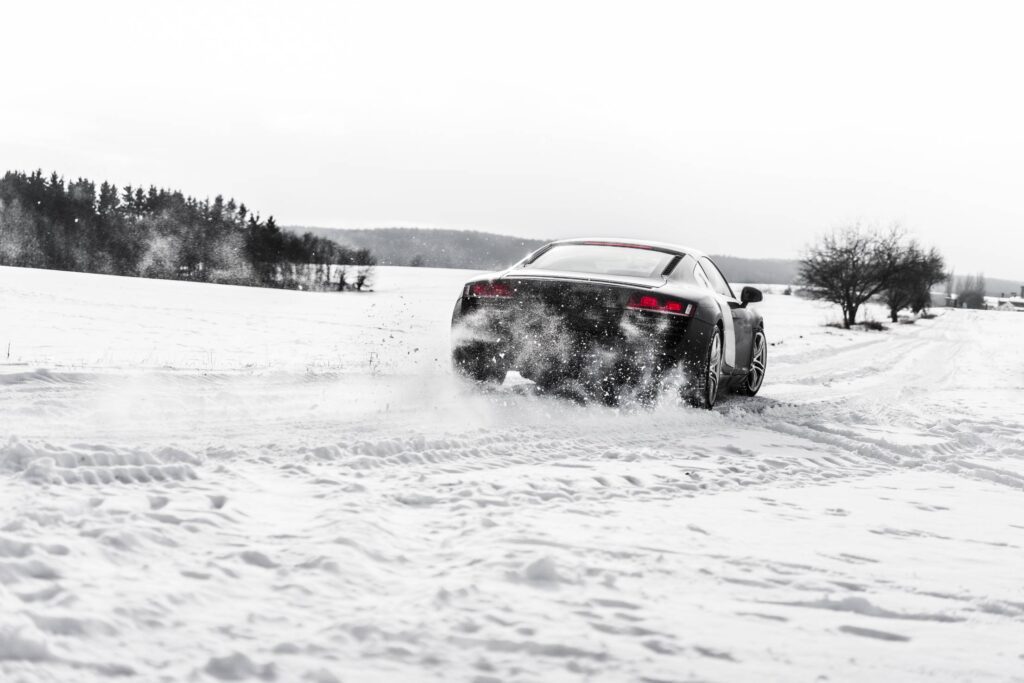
<point>739,128</point>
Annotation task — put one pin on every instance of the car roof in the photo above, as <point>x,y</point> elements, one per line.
<point>629,241</point>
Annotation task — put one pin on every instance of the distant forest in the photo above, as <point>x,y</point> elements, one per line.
<point>431,248</point>
<point>488,251</point>
<point>46,222</point>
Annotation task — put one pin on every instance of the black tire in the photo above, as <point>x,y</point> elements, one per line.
<point>706,375</point>
<point>480,363</point>
<point>751,384</point>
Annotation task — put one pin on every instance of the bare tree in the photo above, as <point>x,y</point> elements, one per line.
<point>932,273</point>
<point>851,265</point>
<point>971,292</point>
<point>911,283</point>
<point>364,277</point>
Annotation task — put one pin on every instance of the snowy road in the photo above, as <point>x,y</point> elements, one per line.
<point>217,483</point>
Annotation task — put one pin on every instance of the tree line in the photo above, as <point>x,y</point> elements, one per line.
<point>852,265</point>
<point>46,222</point>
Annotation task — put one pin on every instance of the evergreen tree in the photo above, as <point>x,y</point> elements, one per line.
<point>46,222</point>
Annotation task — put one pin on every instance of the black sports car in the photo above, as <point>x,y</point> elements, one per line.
<point>609,317</point>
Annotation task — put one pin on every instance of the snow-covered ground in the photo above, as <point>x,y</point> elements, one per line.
<point>217,483</point>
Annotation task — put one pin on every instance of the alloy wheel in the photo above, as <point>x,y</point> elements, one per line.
<point>758,362</point>
<point>714,368</point>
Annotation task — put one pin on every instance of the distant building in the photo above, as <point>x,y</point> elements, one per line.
<point>1013,303</point>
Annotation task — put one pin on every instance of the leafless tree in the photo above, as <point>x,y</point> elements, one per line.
<point>971,292</point>
<point>911,284</point>
<point>851,265</point>
<point>364,277</point>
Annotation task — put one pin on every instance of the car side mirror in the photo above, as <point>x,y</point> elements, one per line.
<point>750,295</point>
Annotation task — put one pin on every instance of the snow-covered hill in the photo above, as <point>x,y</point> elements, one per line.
<point>218,483</point>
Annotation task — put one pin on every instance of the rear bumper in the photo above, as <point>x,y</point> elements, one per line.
<point>543,344</point>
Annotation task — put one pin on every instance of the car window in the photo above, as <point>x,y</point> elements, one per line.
<point>603,259</point>
<point>683,270</point>
<point>700,277</point>
<point>718,281</point>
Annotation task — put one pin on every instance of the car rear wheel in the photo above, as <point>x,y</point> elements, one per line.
<point>706,376</point>
<point>758,363</point>
<point>480,363</point>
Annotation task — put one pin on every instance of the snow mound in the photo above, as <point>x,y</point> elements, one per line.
<point>238,667</point>
<point>22,641</point>
<point>96,464</point>
<point>543,570</point>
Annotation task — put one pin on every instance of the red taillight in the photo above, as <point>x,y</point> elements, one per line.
<point>490,290</point>
<point>649,302</point>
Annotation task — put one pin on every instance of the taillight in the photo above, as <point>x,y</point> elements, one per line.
<point>489,290</point>
<point>649,302</point>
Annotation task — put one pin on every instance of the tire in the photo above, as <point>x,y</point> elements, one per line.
<point>751,384</point>
<point>480,363</point>
<point>704,388</point>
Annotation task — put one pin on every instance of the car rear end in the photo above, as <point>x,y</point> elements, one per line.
<point>558,326</point>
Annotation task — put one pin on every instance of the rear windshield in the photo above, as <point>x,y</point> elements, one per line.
<point>603,259</point>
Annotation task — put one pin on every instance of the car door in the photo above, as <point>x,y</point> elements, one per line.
<point>739,339</point>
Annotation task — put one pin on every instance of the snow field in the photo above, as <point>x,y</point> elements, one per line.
<point>219,483</point>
